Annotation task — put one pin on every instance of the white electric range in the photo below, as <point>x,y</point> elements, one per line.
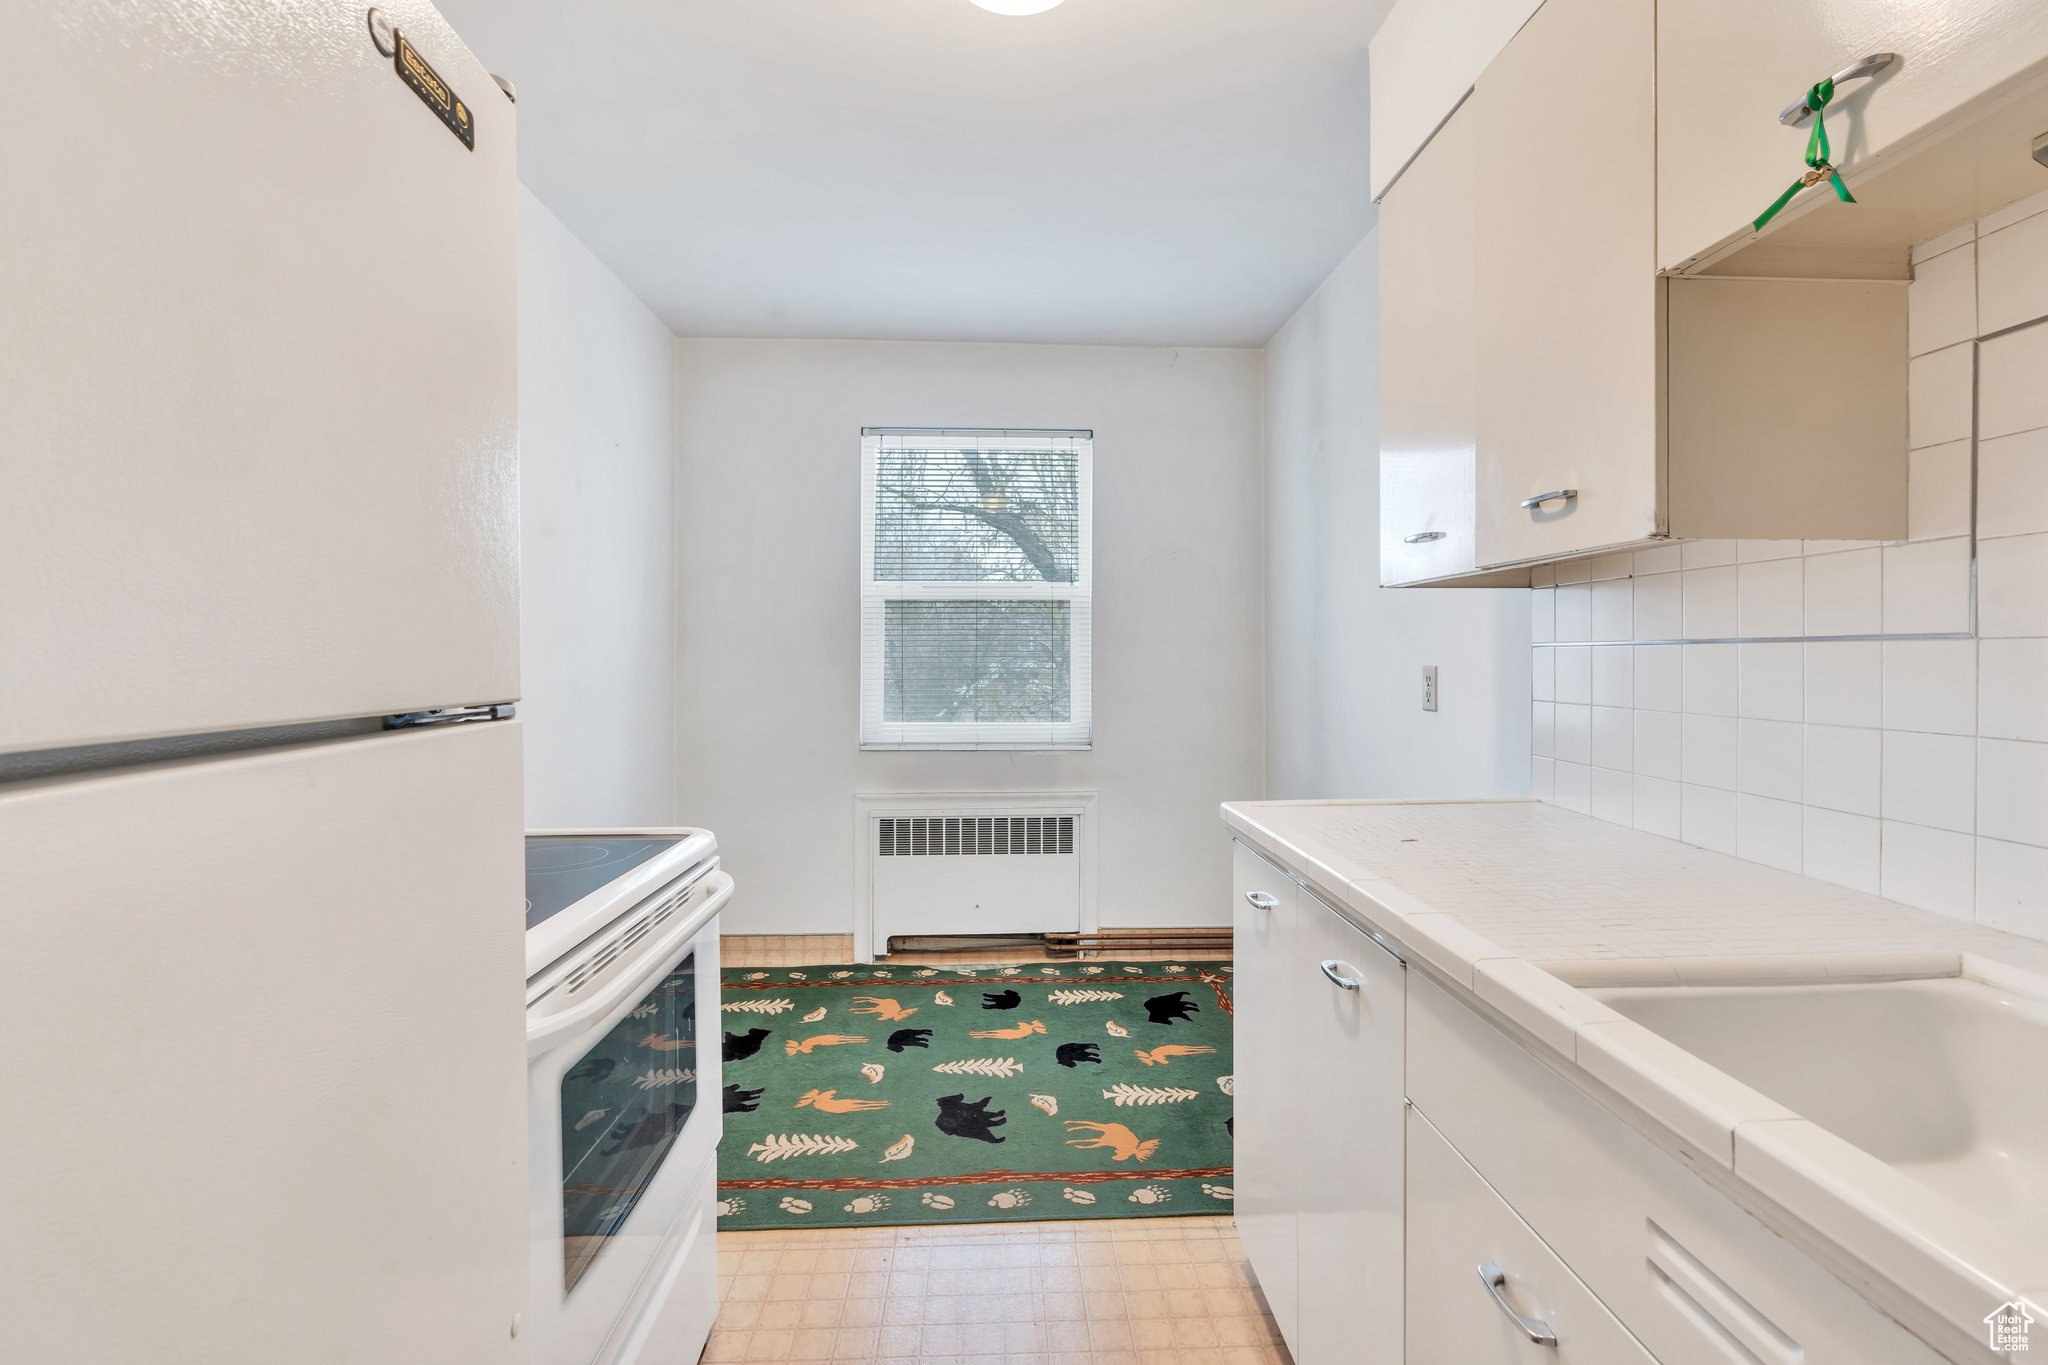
<point>624,1108</point>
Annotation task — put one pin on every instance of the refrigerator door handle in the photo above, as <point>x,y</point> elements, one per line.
<point>450,715</point>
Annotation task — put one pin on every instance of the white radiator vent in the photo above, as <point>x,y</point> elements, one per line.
<point>974,871</point>
<point>953,836</point>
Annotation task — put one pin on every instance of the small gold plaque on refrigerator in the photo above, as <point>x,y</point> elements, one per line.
<point>426,82</point>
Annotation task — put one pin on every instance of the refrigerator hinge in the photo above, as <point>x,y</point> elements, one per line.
<point>450,715</point>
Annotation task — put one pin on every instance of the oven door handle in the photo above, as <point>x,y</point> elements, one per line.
<point>545,1030</point>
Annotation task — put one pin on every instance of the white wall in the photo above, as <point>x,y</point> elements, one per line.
<point>1916,769</point>
<point>768,450</point>
<point>1344,656</point>
<point>597,481</point>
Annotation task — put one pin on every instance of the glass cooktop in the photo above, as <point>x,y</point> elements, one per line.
<point>561,871</point>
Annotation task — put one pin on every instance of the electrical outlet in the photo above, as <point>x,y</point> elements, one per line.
<point>1429,687</point>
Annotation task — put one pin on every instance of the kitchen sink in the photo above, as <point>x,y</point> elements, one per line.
<point>1945,1080</point>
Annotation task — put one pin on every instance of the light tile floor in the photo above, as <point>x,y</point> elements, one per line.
<point>1149,1291</point>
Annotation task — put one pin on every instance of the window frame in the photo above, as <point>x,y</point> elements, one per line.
<point>1077,731</point>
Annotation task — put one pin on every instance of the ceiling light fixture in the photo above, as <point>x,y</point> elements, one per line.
<point>1016,6</point>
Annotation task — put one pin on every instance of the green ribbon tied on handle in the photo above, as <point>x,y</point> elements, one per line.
<point>1818,167</point>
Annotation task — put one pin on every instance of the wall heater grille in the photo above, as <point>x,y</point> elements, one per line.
<point>976,869</point>
<point>947,836</point>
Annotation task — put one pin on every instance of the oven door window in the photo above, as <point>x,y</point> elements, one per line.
<point>623,1105</point>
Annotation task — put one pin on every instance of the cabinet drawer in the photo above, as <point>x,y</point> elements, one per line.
<point>1691,1275</point>
<point>1456,1224</point>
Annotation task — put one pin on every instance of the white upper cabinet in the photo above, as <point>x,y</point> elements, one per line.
<point>1424,59</point>
<point>259,433</point>
<point>1428,328</point>
<point>1726,68</point>
<point>1566,280</point>
<point>1546,393</point>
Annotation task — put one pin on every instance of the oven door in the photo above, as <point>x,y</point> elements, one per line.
<point>625,1115</point>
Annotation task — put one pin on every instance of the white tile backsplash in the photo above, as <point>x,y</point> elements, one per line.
<point>1658,611</point>
<point>1938,492</point>
<point>1942,309</point>
<point>1771,596</point>
<point>1931,685</point>
<point>1913,768</point>
<point>2010,394</point>
<point>1713,680</point>
<point>1930,780</point>
<point>1771,681</point>
<point>2014,472</point>
<point>1845,593</point>
<point>2012,277</point>
<point>1927,587</point>
<point>1938,398</point>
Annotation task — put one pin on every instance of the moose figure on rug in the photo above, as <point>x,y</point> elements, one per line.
<point>958,1118</point>
<point>1124,1143</point>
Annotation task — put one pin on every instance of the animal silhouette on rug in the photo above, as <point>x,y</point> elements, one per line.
<point>738,1101</point>
<point>1122,1142</point>
<point>791,1046</point>
<point>1000,1000</point>
<point>593,1068</point>
<point>881,1007</point>
<point>1169,1009</point>
<point>740,1046</point>
<point>650,1128</point>
<point>909,1037</point>
<point>1022,1029</point>
<point>958,1118</point>
<point>1165,1053</point>
<point>828,1101</point>
<point>1073,1054</point>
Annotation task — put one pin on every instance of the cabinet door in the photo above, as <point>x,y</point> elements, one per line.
<point>1725,68</point>
<point>1456,1224</point>
<point>1427,335</point>
<point>1566,281</point>
<point>1348,1149</point>
<point>1269,1062</point>
<point>1424,59</point>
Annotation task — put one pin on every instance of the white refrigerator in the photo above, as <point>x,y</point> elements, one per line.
<point>262,1080</point>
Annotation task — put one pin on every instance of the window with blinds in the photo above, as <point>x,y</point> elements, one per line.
<point>975,584</point>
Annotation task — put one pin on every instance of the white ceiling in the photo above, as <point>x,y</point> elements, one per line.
<point>1118,171</point>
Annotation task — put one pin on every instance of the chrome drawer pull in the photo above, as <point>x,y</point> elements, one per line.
<point>1338,979</point>
<point>1495,1279</point>
<point>1423,537</point>
<point>1259,900</point>
<point>1555,495</point>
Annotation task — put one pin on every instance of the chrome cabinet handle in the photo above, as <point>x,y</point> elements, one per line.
<point>1338,979</point>
<point>1259,900</point>
<point>1796,113</point>
<point>1495,1279</point>
<point>1423,537</point>
<point>1554,495</point>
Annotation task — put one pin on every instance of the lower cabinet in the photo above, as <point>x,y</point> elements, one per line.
<point>1319,1051</point>
<point>1483,1289</point>
<point>1391,1141</point>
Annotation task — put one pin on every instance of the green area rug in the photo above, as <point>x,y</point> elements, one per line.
<point>889,1095</point>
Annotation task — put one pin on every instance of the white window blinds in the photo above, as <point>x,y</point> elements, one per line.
<point>975,582</point>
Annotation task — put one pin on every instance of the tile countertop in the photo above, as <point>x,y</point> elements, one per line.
<point>1507,901</point>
